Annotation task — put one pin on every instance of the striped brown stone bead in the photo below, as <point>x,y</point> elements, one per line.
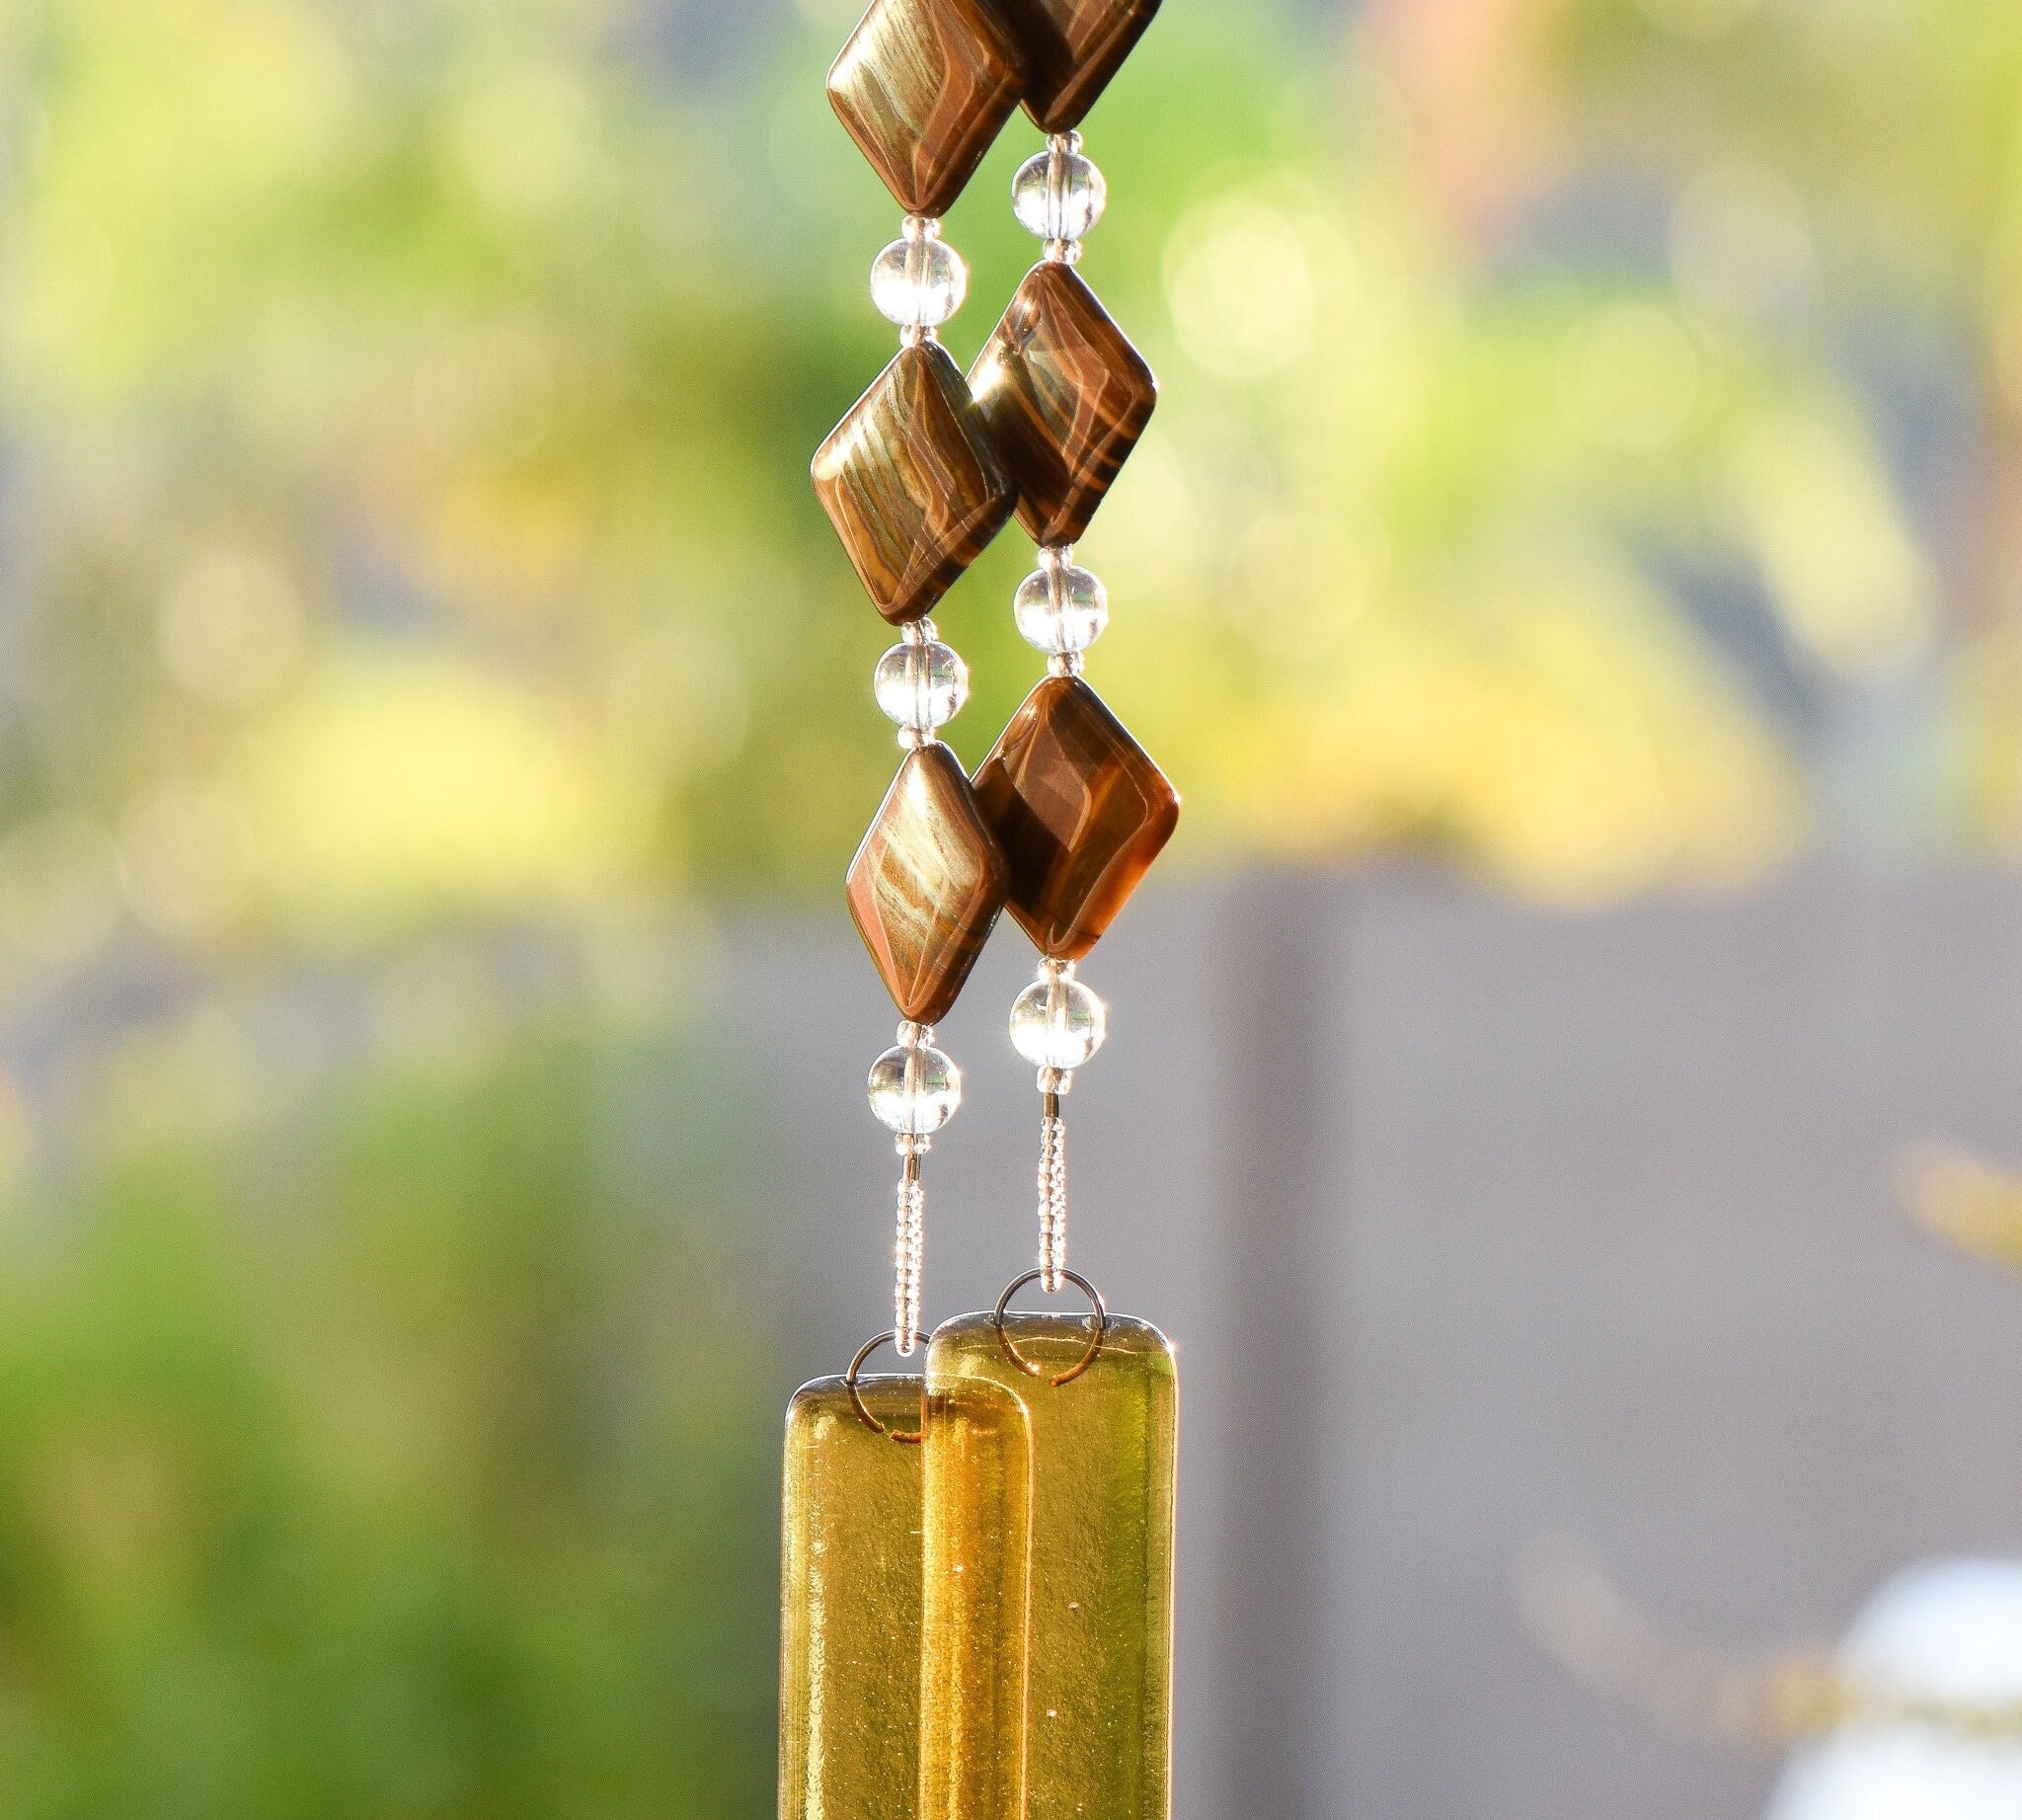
<point>1077,46</point>
<point>923,87</point>
<point>927,885</point>
<point>1080,811</point>
<point>913,484</point>
<point>1064,397</point>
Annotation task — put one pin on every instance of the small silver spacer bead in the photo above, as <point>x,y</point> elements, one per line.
<point>914,738</point>
<point>1072,663</point>
<point>912,1146</point>
<point>920,632</point>
<point>1058,1081</point>
<point>1058,970</point>
<point>915,1036</point>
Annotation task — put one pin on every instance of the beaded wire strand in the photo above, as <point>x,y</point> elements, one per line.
<point>917,283</point>
<point>1057,1024</point>
<point>918,478</point>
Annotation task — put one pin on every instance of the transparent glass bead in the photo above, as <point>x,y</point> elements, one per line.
<point>1058,195</point>
<point>1062,610</point>
<point>920,280</point>
<point>914,1091</point>
<point>922,686</point>
<point>1058,1023</point>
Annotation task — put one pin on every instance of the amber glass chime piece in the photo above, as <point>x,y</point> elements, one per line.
<point>849,1721</point>
<point>1078,1656</point>
<point>977,1560</point>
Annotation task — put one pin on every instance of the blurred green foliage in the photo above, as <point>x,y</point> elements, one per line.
<point>416,1469</point>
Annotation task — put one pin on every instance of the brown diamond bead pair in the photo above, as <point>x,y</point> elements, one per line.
<point>925,86</point>
<point>925,469</point>
<point>1065,819</point>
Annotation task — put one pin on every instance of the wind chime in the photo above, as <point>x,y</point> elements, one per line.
<point>978,1565</point>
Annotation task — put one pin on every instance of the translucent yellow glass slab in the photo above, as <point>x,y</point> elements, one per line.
<point>1085,1656</point>
<point>849,1681</point>
<point>978,1532</point>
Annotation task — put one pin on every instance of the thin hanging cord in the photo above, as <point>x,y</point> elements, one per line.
<point>909,1250</point>
<point>1052,1193</point>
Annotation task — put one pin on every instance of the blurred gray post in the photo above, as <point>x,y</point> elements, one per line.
<point>1281,983</point>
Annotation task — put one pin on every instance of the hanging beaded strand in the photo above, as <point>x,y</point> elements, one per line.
<point>921,685</point>
<point>1067,397</point>
<point>1057,1024</point>
<point>915,491</point>
<point>917,283</point>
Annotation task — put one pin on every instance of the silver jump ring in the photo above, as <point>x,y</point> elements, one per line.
<point>849,1383</point>
<point>1102,1325</point>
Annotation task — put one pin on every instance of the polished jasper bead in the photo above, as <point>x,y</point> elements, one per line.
<point>927,885</point>
<point>923,87</point>
<point>1077,46</point>
<point>911,483</point>
<point>1080,809</point>
<point>1066,398</point>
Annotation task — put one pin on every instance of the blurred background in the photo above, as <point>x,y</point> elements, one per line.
<point>1574,577</point>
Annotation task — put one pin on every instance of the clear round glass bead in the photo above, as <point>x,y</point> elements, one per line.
<point>920,280</point>
<point>914,1091</point>
<point>1058,195</point>
<point>1058,1023</point>
<point>922,686</point>
<point>1062,610</point>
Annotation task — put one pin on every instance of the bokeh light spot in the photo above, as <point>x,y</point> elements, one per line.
<point>1740,241</point>
<point>188,859</point>
<point>1241,288</point>
<point>1632,376</point>
<point>230,628</point>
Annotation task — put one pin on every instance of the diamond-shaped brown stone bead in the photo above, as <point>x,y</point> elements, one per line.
<point>927,885</point>
<point>1066,398</point>
<point>1077,46</point>
<point>1080,809</point>
<point>911,483</point>
<point>923,87</point>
